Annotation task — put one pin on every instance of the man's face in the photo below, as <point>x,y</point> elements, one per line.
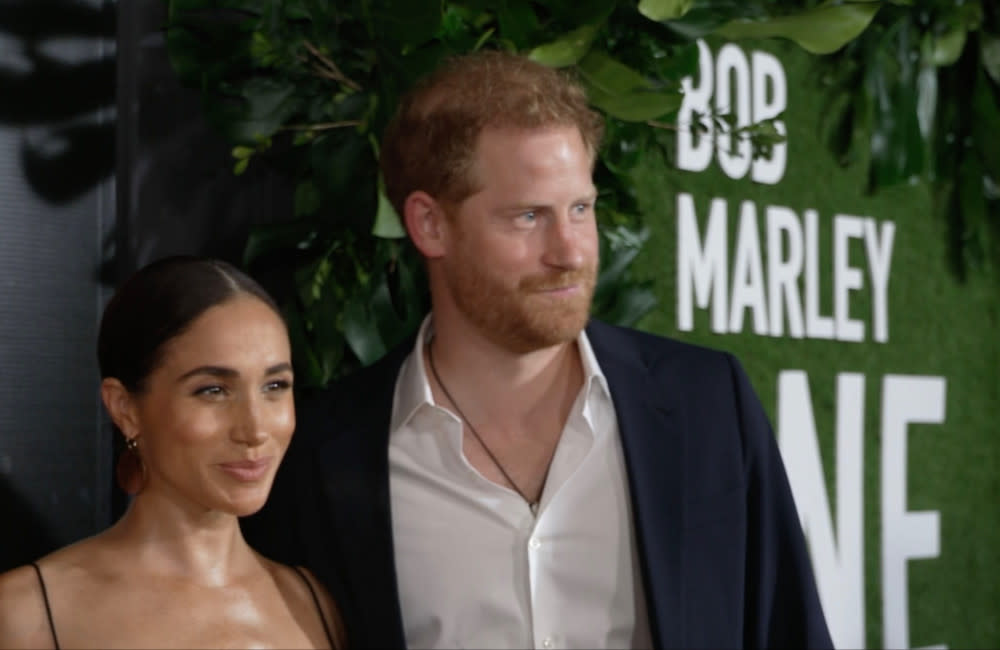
<point>522,255</point>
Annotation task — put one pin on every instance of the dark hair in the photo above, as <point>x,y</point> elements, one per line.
<point>158,303</point>
<point>431,140</point>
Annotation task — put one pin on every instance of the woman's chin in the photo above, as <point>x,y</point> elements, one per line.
<point>245,504</point>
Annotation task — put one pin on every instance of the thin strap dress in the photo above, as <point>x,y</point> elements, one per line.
<point>319,608</point>
<point>48,608</point>
<point>305,579</point>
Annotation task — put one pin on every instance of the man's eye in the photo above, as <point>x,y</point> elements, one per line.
<point>528,216</point>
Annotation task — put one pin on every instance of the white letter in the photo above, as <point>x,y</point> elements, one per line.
<point>768,74</point>
<point>735,153</point>
<point>838,561</point>
<point>846,277</point>
<point>783,272</point>
<point>879,258</point>
<point>694,146</point>
<point>818,327</point>
<point>905,534</point>
<point>748,274</point>
<point>701,266</point>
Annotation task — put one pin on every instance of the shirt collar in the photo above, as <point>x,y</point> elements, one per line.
<point>413,389</point>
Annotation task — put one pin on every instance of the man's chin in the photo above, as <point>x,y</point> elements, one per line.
<point>543,332</point>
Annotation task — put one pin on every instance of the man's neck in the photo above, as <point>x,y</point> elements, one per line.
<point>502,386</point>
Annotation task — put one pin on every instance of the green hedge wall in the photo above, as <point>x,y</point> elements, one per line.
<point>938,326</point>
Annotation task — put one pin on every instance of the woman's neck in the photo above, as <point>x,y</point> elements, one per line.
<point>173,540</point>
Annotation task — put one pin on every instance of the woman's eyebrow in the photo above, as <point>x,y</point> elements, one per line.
<point>214,371</point>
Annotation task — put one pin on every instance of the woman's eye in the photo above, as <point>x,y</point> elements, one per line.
<point>277,385</point>
<point>210,391</point>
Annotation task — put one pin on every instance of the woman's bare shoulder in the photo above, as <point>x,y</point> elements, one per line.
<point>24,617</point>
<point>23,622</point>
<point>303,585</point>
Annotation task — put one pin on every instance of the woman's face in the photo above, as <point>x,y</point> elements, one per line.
<point>217,413</point>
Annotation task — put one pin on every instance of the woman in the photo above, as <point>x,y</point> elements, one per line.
<point>197,377</point>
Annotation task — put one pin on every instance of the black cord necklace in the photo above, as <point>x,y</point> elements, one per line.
<point>533,505</point>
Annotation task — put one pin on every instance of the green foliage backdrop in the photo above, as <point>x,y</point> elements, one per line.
<point>308,85</point>
<point>900,124</point>
<point>939,326</point>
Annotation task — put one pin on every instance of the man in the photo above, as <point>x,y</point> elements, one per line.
<point>516,477</point>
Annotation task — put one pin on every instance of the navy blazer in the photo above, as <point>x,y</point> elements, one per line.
<point>722,554</point>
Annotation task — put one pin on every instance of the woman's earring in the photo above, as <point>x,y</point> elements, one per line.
<point>130,470</point>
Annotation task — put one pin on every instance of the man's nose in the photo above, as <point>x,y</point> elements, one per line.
<point>564,244</point>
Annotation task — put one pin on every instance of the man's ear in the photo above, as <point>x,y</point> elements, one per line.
<point>425,218</point>
<point>121,407</point>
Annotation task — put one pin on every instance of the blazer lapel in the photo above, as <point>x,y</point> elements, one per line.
<point>651,431</point>
<point>356,484</point>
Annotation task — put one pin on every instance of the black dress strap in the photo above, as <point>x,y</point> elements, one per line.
<point>319,608</point>
<point>48,608</point>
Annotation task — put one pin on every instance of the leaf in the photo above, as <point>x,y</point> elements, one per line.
<point>518,22</point>
<point>406,24</point>
<point>308,370</point>
<point>408,292</point>
<point>262,106</point>
<point>821,30</point>
<point>898,148</point>
<point>697,23</point>
<point>566,50</point>
<point>387,222</point>
<point>625,145</point>
<point>329,342</point>
<point>622,92</point>
<point>617,298</point>
<point>944,49</point>
<point>396,322</point>
<point>989,54</point>
<point>360,332</point>
<point>577,12</point>
<point>975,214</point>
<point>206,40</point>
<point>631,304</point>
<point>985,124</point>
<point>372,323</point>
<point>660,10</point>
<point>610,76</point>
<point>837,127</point>
<point>307,199</point>
<point>344,167</point>
<point>263,239</point>
<point>927,98</point>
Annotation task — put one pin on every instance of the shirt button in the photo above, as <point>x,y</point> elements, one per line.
<point>534,542</point>
<point>547,642</point>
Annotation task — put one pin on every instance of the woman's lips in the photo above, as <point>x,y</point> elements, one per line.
<point>247,470</point>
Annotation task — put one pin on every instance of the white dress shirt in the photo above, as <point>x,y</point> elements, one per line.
<point>476,569</point>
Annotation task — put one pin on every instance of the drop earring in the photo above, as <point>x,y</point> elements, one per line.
<point>130,470</point>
